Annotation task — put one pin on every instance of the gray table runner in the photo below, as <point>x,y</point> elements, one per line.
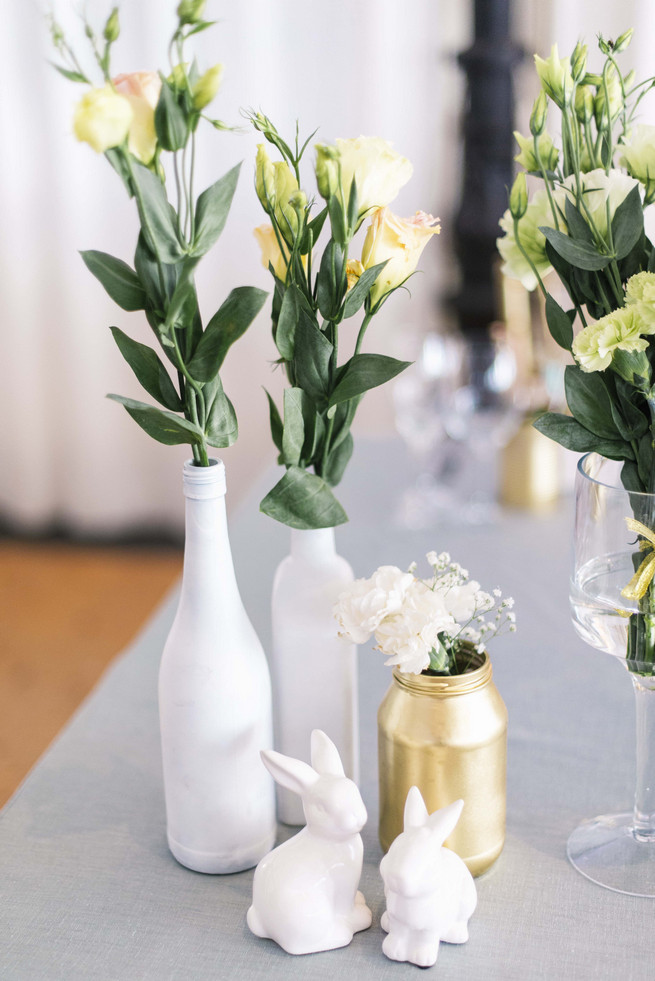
<point>89,891</point>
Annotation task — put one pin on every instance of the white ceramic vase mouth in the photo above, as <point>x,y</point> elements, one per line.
<point>204,483</point>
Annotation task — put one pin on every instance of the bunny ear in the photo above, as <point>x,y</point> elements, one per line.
<point>416,813</point>
<point>444,821</point>
<point>325,755</point>
<point>292,774</point>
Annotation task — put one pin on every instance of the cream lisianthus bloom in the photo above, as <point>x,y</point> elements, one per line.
<point>599,189</point>
<point>377,169</point>
<point>533,242</point>
<point>399,242</point>
<point>141,89</point>
<point>595,345</point>
<point>555,75</point>
<point>102,119</point>
<point>639,158</point>
<point>271,252</point>
<point>364,604</point>
<point>640,294</point>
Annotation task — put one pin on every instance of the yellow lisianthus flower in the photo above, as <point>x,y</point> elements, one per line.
<point>401,242</point>
<point>372,163</point>
<point>102,119</point>
<point>141,89</point>
<point>639,158</point>
<point>640,294</point>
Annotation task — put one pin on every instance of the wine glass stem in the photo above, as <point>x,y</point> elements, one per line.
<point>644,812</point>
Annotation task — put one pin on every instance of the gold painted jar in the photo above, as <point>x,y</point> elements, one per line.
<point>447,735</point>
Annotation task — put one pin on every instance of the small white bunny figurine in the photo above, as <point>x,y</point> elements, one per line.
<point>305,894</point>
<point>430,892</point>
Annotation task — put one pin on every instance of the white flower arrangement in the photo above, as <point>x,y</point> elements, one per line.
<point>423,624</point>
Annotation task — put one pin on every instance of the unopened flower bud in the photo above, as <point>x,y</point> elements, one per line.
<point>555,75</point>
<point>327,170</point>
<point>518,197</point>
<point>207,86</point>
<point>629,80</point>
<point>264,179</point>
<point>579,61</point>
<point>584,103</point>
<point>603,45</point>
<point>539,113</point>
<point>298,201</point>
<point>178,76</point>
<point>623,41</point>
<point>112,27</point>
<point>191,11</point>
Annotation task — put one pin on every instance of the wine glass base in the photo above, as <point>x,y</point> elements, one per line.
<point>606,850</point>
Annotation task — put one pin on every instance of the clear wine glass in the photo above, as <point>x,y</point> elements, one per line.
<point>617,851</point>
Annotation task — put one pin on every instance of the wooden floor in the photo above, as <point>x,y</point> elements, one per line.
<point>65,612</point>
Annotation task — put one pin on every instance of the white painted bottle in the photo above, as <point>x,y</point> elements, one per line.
<point>314,671</point>
<point>214,701</point>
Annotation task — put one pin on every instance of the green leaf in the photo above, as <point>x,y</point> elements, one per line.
<point>338,461</point>
<point>293,434</point>
<point>221,427</point>
<point>286,324</point>
<point>149,370</point>
<point>227,325</point>
<point>71,76</point>
<point>147,270</point>
<point>170,120</point>
<point>353,207</point>
<point>589,401</point>
<point>571,434</point>
<point>312,359</point>
<point>357,295</point>
<point>120,281</point>
<point>157,219</point>
<point>275,421</point>
<point>630,421</point>
<point>578,228</point>
<point>577,253</point>
<point>363,372</point>
<point>303,500</point>
<point>212,210</point>
<point>331,279</point>
<point>344,414</point>
<point>630,477</point>
<point>559,323</point>
<point>314,227</point>
<point>627,224</point>
<point>117,161</point>
<point>200,26</point>
<point>161,424</point>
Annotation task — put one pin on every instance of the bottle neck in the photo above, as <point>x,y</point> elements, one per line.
<point>313,544</point>
<point>207,555</point>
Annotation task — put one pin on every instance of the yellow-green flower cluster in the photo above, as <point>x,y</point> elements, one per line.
<point>622,330</point>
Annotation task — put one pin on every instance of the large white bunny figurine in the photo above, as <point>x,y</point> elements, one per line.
<point>429,890</point>
<point>305,894</point>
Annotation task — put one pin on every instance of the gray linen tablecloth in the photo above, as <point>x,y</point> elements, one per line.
<point>89,891</point>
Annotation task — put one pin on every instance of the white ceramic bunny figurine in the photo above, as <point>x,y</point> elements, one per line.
<point>429,890</point>
<point>305,894</point>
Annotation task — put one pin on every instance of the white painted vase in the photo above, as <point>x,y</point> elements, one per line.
<point>214,701</point>
<point>314,671</point>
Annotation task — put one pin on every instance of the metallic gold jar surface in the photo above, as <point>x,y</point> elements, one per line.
<point>447,735</point>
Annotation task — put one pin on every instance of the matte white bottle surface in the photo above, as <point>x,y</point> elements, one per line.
<point>214,701</point>
<point>314,671</point>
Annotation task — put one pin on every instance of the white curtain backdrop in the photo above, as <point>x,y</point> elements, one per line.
<point>377,67</point>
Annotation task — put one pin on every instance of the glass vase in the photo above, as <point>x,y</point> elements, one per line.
<point>617,851</point>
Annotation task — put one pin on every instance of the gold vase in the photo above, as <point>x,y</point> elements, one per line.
<point>447,735</point>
